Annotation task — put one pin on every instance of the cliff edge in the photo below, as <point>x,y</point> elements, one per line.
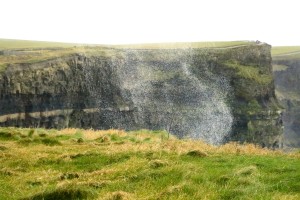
<point>217,94</point>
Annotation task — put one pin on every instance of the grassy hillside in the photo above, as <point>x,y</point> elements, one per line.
<point>288,52</point>
<point>113,164</point>
<point>28,52</point>
<point>279,50</point>
<point>20,44</point>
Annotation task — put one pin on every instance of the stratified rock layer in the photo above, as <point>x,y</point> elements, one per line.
<point>215,94</point>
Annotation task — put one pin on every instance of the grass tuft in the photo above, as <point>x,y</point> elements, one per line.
<point>3,148</point>
<point>30,133</point>
<point>157,163</point>
<point>69,176</point>
<point>6,134</point>
<point>119,195</point>
<point>247,171</point>
<point>197,153</point>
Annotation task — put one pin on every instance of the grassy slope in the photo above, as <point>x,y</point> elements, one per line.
<point>18,44</point>
<point>279,50</point>
<point>286,52</point>
<point>25,51</point>
<point>113,164</point>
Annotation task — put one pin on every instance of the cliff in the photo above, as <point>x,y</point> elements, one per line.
<point>216,94</point>
<point>286,69</point>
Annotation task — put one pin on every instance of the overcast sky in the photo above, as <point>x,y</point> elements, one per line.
<point>146,21</point>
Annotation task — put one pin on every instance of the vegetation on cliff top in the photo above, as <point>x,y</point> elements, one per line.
<point>250,72</point>
<point>29,52</point>
<point>281,50</point>
<point>18,44</point>
<point>286,52</point>
<point>181,45</point>
<point>113,164</point>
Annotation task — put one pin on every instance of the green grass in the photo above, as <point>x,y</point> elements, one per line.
<point>286,52</point>
<point>180,45</point>
<point>20,44</point>
<point>250,72</point>
<point>280,50</point>
<point>114,164</point>
<point>6,44</point>
<point>31,56</point>
<point>30,52</point>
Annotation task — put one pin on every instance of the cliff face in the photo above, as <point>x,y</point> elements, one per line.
<point>215,94</point>
<point>287,82</point>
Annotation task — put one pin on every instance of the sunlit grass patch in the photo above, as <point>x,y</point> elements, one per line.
<point>17,44</point>
<point>250,72</point>
<point>281,50</point>
<point>125,165</point>
<point>286,53</point>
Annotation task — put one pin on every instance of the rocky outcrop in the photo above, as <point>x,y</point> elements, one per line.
<point>215,94</point>
<point>287,82</point>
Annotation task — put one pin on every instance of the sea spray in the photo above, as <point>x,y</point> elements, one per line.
<point>168,95</point>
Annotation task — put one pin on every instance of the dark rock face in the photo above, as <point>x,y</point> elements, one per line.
<point>287,82</point>
<point>211,94</point>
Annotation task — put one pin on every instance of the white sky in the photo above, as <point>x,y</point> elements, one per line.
<point>145,21</point>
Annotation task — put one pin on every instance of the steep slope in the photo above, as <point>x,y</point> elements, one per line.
<point>286,67</point>
<point>216,94</point>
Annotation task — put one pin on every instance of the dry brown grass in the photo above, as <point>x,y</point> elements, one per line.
<point>119,195</point>
<point>247,149</point>
<point>169,145</point>
<point>155,144</point>
<point>91,134</point>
